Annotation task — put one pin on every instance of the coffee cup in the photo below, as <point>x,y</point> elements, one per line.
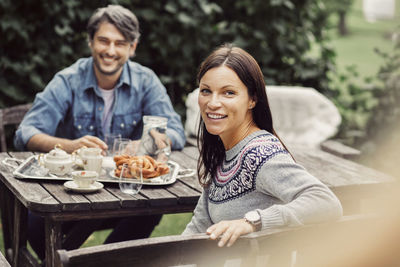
<point>92,159</point>
<point>84,179</point>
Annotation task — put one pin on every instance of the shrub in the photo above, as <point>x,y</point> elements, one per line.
<point>42,37</point>
<point>381,145</point>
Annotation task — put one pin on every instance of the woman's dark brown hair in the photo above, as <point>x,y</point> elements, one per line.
<point>212,151</point>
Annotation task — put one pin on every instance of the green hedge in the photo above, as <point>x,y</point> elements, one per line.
<point>41,37</point>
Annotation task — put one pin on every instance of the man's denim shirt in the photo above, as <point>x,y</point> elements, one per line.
<point>71,106</point>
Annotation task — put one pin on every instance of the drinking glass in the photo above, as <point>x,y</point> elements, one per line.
<point>128,148</point>
<point>109,139</point>
<point>117,143</point>
<point>131,178</point>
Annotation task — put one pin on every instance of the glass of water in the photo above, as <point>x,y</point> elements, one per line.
<point>131,178</point>
<point>117,142</point>
<point>109,139</point>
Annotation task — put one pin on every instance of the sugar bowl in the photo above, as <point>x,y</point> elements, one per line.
<point>57,161</point>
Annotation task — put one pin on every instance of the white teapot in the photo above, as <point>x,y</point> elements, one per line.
<point>57,161</point>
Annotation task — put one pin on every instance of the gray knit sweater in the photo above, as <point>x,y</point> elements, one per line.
<point>259,174</point>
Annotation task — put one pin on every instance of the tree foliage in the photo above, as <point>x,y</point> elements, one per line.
<point>40,38</point>
<point>385,116</point>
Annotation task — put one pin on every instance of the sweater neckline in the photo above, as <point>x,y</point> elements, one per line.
<point>231,153</point>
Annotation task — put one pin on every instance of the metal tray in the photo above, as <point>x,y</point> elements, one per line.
<point>31,169</point>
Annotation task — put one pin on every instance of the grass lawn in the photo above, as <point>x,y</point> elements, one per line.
<point>357,48</point>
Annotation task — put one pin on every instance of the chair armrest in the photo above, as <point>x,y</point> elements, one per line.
<point>341,150</point>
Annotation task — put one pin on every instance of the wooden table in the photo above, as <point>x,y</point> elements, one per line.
<point>350,181</point>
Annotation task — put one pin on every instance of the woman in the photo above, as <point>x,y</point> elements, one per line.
<point>250,180</point>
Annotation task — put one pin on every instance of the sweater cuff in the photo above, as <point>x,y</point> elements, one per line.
<point>271,217</point>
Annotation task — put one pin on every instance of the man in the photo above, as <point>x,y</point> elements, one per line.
<point>106,93</point>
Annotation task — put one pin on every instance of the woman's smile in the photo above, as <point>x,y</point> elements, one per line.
<point>215,116</point>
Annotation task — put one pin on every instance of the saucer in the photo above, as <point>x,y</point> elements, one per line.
<point>71,185</point>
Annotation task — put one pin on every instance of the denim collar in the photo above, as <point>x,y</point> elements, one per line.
<point>90,81</point>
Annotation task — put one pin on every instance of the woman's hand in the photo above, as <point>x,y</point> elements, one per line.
<point>229,231</point>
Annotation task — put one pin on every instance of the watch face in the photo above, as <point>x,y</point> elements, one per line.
<point>252,216</point>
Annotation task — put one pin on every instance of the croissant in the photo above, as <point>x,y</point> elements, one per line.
<point>150,167</point>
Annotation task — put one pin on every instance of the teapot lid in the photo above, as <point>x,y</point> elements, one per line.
<point>57,153</point>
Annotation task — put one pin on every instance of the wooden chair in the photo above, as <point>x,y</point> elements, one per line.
<point>352,241</point>
<point>11,116</point>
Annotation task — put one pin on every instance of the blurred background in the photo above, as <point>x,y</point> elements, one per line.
<point>349,50</point>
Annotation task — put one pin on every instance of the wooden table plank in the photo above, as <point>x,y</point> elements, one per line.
<point>192,152</point>
<point>103,199</point>
<point>105,214</point>
<point>188,159</point>
<point>127,201</point>
<point>159,196</point>
<point>29,192</point>
<point>70,200</point>
<point>184,193</point>
<point>335,171</point>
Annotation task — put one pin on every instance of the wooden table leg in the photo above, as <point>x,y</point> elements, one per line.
<point>7,216</point>
<point>53,239</point>
<point>20,235</point>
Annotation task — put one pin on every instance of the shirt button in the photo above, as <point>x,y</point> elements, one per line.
<point>100,108</point>
<point>134,123</point>
<point>122,125</point>
<point>79,127</point>
<point>91,127</point>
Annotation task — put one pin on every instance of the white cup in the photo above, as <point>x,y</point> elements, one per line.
<point>84,179</point>
<point>92,159</point>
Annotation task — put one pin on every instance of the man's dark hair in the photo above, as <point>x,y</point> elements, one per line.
<point>123,19</point>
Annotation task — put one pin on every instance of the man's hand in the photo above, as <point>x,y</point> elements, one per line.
<point>229,231</point>
<point>88,141</point>
<point>163,144</point>
<point>160,139</point>
<point>45,143</point>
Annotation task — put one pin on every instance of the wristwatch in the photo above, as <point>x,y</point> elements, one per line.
<point>254,218</point>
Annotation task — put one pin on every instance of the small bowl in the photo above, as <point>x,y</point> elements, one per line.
<point>84,179</point>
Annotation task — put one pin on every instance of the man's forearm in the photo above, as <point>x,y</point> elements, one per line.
<point>45,143</point>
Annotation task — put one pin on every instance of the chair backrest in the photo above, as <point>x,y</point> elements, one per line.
<point>11,116</point>
<point>301,115</point>
<point>329,244</point>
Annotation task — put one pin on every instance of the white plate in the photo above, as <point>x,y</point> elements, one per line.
<point>71,185</point>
